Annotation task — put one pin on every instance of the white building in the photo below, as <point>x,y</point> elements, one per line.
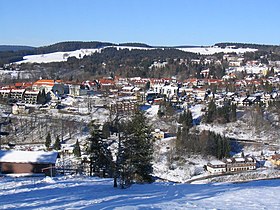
<point>216,166</point>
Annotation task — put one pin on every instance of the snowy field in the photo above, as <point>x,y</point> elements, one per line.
<point>215,49</point>
<point>63,56</point>
<point>94,193</point>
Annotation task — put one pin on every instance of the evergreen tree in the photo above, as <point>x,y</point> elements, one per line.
<point>41,99</point>
<point>169,109</point>
<point>57,144</point>
<point>210,115</point>
<point>161,110</point>
<point>48,141</point>
<point>100,155</point>
<point>148,85</point>
<point>233,113</point>
<point>188,121</point>
<point>136,157</point>
<point>77,149</point>
<point>106,130</point>
<point>227,147</point>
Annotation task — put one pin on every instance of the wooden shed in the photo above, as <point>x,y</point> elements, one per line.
<point>27,162</point>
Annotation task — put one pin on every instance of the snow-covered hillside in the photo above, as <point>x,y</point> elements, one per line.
<point>215,49</point>
<point>63,56</point>
<point>94,193</point>
<point>57,56</point>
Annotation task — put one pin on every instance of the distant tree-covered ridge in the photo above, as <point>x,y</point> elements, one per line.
<point>13,48</point>
<point>261,47</point>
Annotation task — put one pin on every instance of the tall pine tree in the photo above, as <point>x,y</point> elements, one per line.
<point>210,115</point>
<point>136,157</point>
<point>100,155</point>
<point>48,141</point>
<point>77,149</point>
<point>57,144</point>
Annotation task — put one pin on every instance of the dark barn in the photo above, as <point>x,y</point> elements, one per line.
<point>27,162</point>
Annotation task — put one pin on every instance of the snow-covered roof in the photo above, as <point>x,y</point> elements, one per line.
<point>229,160</point>
<point>249,159</point>
<point>240,159</point>
<point>13,156</point>
<point>217,162</point>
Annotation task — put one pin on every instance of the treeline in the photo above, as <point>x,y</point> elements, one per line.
<point>7,57</point>
<point>13,48</point>
<point>261,47</point>
<point>71,46</point>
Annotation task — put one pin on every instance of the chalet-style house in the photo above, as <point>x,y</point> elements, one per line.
<point>232,165</point>
<point>27,162</point>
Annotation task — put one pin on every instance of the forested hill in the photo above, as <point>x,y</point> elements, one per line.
<point>260,47</point>
<point>76,45</point>
<point>71,46</point>
<point>9,53</point>
<point>13,48</point>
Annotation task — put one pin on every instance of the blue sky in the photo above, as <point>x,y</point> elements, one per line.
<point>155,22</point>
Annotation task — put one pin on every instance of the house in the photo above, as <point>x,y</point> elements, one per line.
<point>30,97</point>
<point>4,93</point>
<point>20,109</point>
<point>17,94</point>
<point>216,166</point>
<point>275,160</point>
<point>125,106</point>
<point>27,162</point>
<point>240,164</point>
<point>158,134</point>
<point>106,84</point>
<point>77,89</point>
<point>232,165</point>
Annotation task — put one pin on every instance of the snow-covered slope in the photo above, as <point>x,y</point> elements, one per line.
<point>57,56</point>
<point>215,49</point>
<point>63,56</point>
<point>94,193</point>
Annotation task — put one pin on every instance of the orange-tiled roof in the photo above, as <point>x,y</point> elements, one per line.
<point>46,82</point>
<point>19,84</point>
<point>106,81</point>
<point>29,84</point>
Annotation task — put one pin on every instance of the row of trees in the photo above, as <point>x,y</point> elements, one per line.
<point>204,143</point>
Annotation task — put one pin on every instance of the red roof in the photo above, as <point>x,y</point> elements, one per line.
<point>46,82</point>
<point>106,81</point>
